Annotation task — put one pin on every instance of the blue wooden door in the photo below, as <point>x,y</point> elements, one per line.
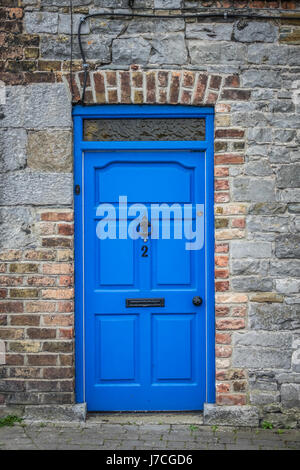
<point>143,357</point>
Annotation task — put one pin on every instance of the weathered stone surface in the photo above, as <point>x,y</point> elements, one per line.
<point>65,3</point>
<point>264,380</point>
<point>261,78</point>
<point>268,224</point>
<point>50,151</point>
<point>255,31</point>
<point>290,395</point>
<point>266,297</point>
<point>169,49</point>
<point>130,51</point>
<point>251,283</point>
<point>167,4</point>
<point>108,27</point>
<point>259,397</point>
<point>260,168</point>
<point>36,188</point>
<point>284,268</point>
<point>288,176</point>
<point>274,317</point>
<point>64,24</point>
<point>230,415</point>
<point>253,189</point>
<point>241,249</point>
<point>13,110</point>
<point>260,358</point>
<point>12,149</point>
<point>289,195</point>
<point>294,208</point>
<point>153,26</point>
<point>20,231</point>
<point>47,105</point>
<point>263,339</point>
<point>41,22</point>
<point>288,286</point>
<point>110,3</point>
<point>249,266</point>
<point>267,54</point>
<point>260,134</point>
<point>264,208</point>
<point>206,31</point>
<point>210,52</point>
<point>287,246</point>
<point>58,48</point>
<point>76,412</point>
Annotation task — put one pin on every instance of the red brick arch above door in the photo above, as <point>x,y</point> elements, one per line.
<point>137,86</point>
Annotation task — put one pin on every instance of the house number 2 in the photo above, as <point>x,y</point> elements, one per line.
<point>144,251</point>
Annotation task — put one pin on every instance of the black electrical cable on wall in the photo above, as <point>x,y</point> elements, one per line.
<point>224,14</point>
<point>71,62</point>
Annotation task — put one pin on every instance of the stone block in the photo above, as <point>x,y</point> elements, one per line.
<point>288,176</point>
<point>76,412</point>
<point>274,316</point>
<point>17,228</point>
<point>267,224</point>
<point>281,340</point>
<point>13,111</point>
<point>243,249</point>
<point>258,168</point>
<point>12,149</point>
<point>36,188</point>
<point>130,51</point>
<point>58,48</point>
<point>287,246</point>
<point>211,32</point>
<point>211,53</point>
<point>168,49</point>
<point>261,358</point>
<point>265,208</point>
<point>260,134</point>
<point>41,22</point>
<point>290,395</point>
<point>267,54</point>
<point>161,4</point>
<point>252,283</point>
<point>289,195</point>
<point>153,26</point>
<point>262,79</point>
<point>47,105</point>
<point>288,286</point>
<point>50,151</point>
<point>230,415</point>
<point>255,31</point>
<point>253,189</point>
<point>64,24</point>
<point>260,397</point>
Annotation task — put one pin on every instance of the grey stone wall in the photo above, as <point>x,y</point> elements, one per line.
<point>257,198</point>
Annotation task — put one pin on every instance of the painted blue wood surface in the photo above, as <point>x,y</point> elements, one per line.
<point>143,358</point>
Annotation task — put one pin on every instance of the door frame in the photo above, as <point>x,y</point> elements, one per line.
<point>80,146</point>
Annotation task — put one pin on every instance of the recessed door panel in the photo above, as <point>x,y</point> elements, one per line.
<point>143,182</point>
<point>116,339</point>
<point>173,348</point>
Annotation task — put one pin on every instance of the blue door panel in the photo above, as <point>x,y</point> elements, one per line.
<point>116,339</point>
<point>132,182</point>
<point>143,358</point>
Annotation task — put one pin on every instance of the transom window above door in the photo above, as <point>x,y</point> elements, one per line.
<point>147,129</point>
